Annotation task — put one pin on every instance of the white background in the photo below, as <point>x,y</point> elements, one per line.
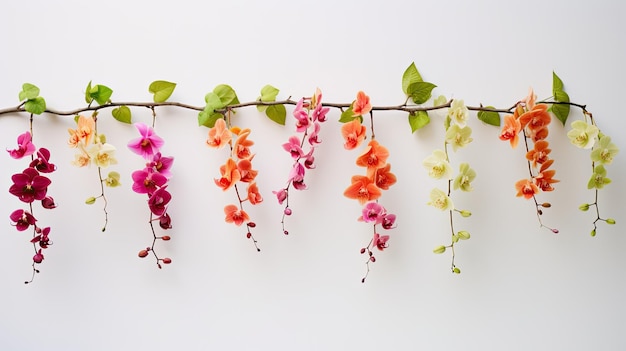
<point>522,287</point>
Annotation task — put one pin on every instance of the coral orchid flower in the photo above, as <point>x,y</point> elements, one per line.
<point>230,175</point>
<point>242,144</point>
<point>536,118</point>
<point>374,157</point>
<point>235,215</point>
<point>353,134</point>
<point>219,135</point>
<point>526,188</point>
<point>510,130</point>
<point>539,154</point>
<point>253,194</point>
<point>362,189</point>
<point>384,178</point>
<point>361,105</point>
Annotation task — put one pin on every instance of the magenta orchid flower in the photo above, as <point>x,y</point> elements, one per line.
<point>22,219</point>
<point>38,258</point>
<point>159,200</point>
<point>42,238</point>
<point>296,177</point>
<point>319,114</point>
<point>380,241</point>
<point>161,164</point>
<point>42,162</point>
<point>25,147</point>
<point>302,117</point>
<point>165,222</point>
<point>293,147</point>
<point>388,221</point>
<point>373,213</point>
<point>29,186</point>
<point>313,137</point>
<point>48,203</point>
<point>309,160</point>
<point>148,144</point>
<point>281,195</point>
<point>146,181</point>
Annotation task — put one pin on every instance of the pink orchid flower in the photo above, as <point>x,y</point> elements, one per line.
<point>380,241</point>
<point>25,147</point>
<point>42,162</point>
<point>313,137</point>
<point>281,195</point>
<point>161,164</point>
<point>373,212</point>
<point>146,181</point>
<point>301,116</point>
<point>159,200</point>
<point>293,147</point>
<point>148,144</point>
<point>296,176</point>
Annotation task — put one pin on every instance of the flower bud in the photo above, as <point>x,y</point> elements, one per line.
<point>463,235</point>
<point>248,235</point>
<point>167,260</point>
<point>610,221</point>
<point>555,231</point>
<point>583,207</point>
<point>593,233</point>
<point>143,253</point>
<point>546,205</point>
<point>38,258</point>
<point>165,238</point>
<point>48,203</point>
<point>465,213</point>
<point>362,250</point>
<point>287,211</point>
<point>373,259</point>
<point>251,224</point>
<point>90,200</point>
<point>285,232</point>
<point>439,249</point>
<point>456,270</point>
<point>455,238</point>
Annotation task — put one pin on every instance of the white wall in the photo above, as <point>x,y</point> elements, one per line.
<point>521,288</point>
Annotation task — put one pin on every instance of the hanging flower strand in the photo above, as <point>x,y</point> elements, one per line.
<point>367,189</point>
<point>153,180</point>
<point>237,169</point>
<point>532,120</point>
<point>309,114</point>
<point>458,135</point>
<point>30,186</point>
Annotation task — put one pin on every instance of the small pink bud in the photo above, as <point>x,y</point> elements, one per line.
<point>373,259</point>
<point>287,211</point>
<point>286,232</point>
<point>362,250</point>
<point>251,224</point>
<point>143,253</point>
<point>38,258</point>
<point>555,231</point>
<point>167,260</point>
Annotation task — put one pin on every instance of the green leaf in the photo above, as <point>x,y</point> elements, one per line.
<point>440,100</point>
<point>277,113</point>
<point>489,117</point>
<point>207,118</point>
<point>122,114</point>
<point>411,75</point>
<point>100,93</point>
<point>420,92</point>
<point>557,83</point>
<point>268,93</point>
<point>348,115</point>
<point>561,111</point>
<point>161,89</point>
<point>88,98</point>
<point>36,106</point>
<point>226,94</point>
<point>418,120</point>
<point>28,92</point>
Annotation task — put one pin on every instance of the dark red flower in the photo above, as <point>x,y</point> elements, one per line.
<point>42,238</point>
<point>42,163</point>
<point>29,186</point>
<point>48,203</point>
<point>165,221</point>
<point>159,200</point>
<point>38,258</point>
<point>22,219</point>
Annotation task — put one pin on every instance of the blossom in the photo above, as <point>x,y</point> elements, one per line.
<point>309,160</point>
<point>242,144</point>
<point>296,176</point>
<point>440,200</point>
<point>373,213</point>
<point>465,177</point>
<point>112,180</point>
<point>380,241</point>
<point>230,175</point>
<point>544,179</point>
<point>245,170</point>
<point>42,238</point>
<point>458,137</point>
<point>529,100</point>
<point>538,134</point>
<point>86,129</point>
<point>598,179</point>
<point>583,135</point>
<point>604,151</point>
<point>539,154</point>
<point>81,159</point>
<point>38,257</point>
<point>161,164</point>
<point>102,154</point>
<point>301,116</point>
<point>375,156</point>
<point>48,203</point>
<point>510,130</point>
<point>526,188</point>
<point>29,186</point>
<point>42,162</point>
<point>293,147</point>
<point>219,135</point>
<point>253,194</point>
<point>458,113</point>
<point>148,144</point>
<point>22,219</point>
<point>281,195</point>
<point>147,182</point>
<point>235,215</point>
<point>353,133</point>
<point>384,178</point>
<point>361,105</point>
<point>165,221</point>
<point>25,147</point>
<point>319,113</point>
<point>159,200</point>
<point>314,136</point>
<point>362,189</point>
<point>388,221</point>
<point>537,118</point>
<point>437,165</point>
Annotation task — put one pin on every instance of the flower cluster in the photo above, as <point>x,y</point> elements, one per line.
<point>458,135</point>
<point>238,168</point>
<point>367,189</point>
<point>587,136</point>
<point>532,120</point>
<point>30,186</point>
<point>93,149</point>
<point>309,114</point>
<point>152,180</point>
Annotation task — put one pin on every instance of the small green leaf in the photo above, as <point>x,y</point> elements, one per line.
<point>100,93</point>
<point>226,94</point>
<point>490,117</point>
<point>420,92</point>
<point>348,115</point>
<point>411,75</point>
<point>268,93</point>
<point>36,106</point>
<point>207,118</point>
<point>122,114</point>
<point>557,83</point>
<point>88,98</point>
<point>561,111</point>
<point>440,100</point>
<point>418,120</point>
<point>161,89</point>
<point>277,113</point>
<point>28,92</point>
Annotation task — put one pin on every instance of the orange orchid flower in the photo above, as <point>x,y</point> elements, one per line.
<point>242,144</point>
<point>245,170</point>
<point>74,139</point>
<point>510,130</point>
<point>86,128</point>
<point>230,175</point>
<point>235,215</point>
<point>353,133</point>
<point>384,178</point>
<point>362,104</point>
<point>537,118</point>
<point>526,188</point>
<point>362,189</point>
<point>544,179</point>
<point>253,194</point>
<point>539,154</point>
<point>538,134</point>
<point>530,99</point>
<point>219,135</point>
<point>374,157</point>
